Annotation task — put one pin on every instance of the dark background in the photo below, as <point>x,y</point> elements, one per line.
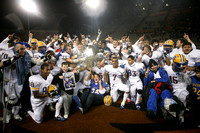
<point>117,18</point>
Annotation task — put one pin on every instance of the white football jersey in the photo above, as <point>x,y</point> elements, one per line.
<point>113,50</point>
<point>37,83</point>
<point>115,74</point>
<point>9,71</point>
<point>99,71</point>
<point>156,55</point>
<point>176,79</point>
<point>134,72</point>
<point>192,57</point>
<point>56,45</point>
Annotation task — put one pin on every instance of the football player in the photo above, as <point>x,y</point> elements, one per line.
<point>147,54</point>
<point>40,96</point>
<point>115,76</point>
<point>192,55</point>
<point>133,70</point>
<point>16,62</point>
<point>179,79</point>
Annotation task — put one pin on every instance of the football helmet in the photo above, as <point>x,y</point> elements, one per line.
<point>107,100</point>
<point>34,41</point>
<point>168,46</point>
<point>52,90</point>
<point>179,61</point>
<point>41,47</point>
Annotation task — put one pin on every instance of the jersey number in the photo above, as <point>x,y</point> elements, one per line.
<point>195,91</point>
<point>131,73</point>
<point>173,79</point>
<point>45,90</point>
<point>114,76</point>
<point>96,91</point>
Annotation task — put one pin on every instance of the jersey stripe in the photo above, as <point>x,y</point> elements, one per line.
<point>34,88</point>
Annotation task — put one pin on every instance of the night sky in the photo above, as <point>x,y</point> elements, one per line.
<point>69,15</point>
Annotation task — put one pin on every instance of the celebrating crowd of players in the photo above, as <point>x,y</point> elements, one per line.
<point>61,69</point>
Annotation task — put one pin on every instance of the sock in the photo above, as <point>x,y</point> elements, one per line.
<point>124,99</point>
<point>16,110</point>
<point>58,108</point>
<point>137,98</point>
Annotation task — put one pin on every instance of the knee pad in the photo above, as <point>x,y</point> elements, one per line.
<point>139,91</point>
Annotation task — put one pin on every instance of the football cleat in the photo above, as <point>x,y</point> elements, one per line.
<point>80,109</point>
<point>66,116</point>
<point>18,117</point>
<point>59,118</point>
<point>8,116</point>
<point>151,114</point>
<point>122,106</point>
<point>137,106</point>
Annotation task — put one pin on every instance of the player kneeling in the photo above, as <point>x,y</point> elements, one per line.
<point>42,93</point>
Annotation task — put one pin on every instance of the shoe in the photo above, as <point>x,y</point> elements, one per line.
<point>199,126</point>
<point>8,117</point>
<point>137,106</point>
<point>151,114</point>
<point>80,109</point>
<point>175,107</point>
<point>66,116</point>
<point>122,106</point>
<point>78,103</point>
<point>181,119</point>
<point>51,108</point>
<point>59,118</point>
<point>17,117</point>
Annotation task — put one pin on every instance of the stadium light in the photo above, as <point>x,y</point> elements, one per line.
<point>29,6</point>
<point>92,3</point>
